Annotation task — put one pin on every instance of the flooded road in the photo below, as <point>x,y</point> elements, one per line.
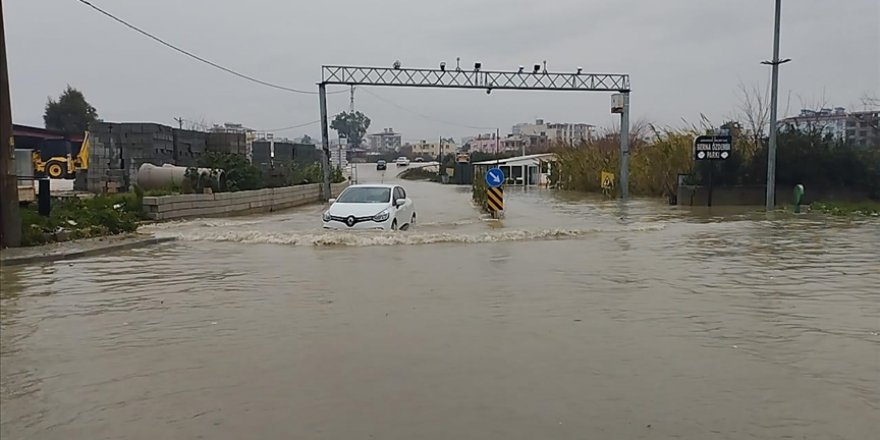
<point>573,318</point>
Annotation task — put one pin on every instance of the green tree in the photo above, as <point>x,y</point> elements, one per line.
<point>70,114</point>
<point>352,125</point>
<point>306,139</point>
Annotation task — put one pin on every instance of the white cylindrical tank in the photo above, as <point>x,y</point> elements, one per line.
<point>150,176</point>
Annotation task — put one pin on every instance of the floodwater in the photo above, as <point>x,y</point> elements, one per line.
<point>572,318</point>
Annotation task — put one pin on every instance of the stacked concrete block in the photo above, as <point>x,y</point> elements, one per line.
<point>262,154</point>
<point>119,149</point>
<point>102,158</point>
<point>306,154</point>
<point>220,142</point>
<point>144,143</point>
<point>283,153</point>
<point>261,200</point>
<point>127,146</point>
<point>189,146</point>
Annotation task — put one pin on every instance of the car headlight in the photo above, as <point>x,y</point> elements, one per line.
<point>382,216</point>
<point>326,216</point>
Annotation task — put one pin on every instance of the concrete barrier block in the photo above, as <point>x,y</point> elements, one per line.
<point>235,195</point>
<point>268,199</point>
<point>171,207</point>
<point>240,207</point>
<point>208,203</point>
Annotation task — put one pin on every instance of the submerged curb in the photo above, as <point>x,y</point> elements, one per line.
<point>79,253</point>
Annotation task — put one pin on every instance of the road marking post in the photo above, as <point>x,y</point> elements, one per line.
<point>495,199</point>
<point>798,197</point>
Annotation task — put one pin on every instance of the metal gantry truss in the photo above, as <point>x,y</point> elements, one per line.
<point>457,78</point>
<point>474,79</point>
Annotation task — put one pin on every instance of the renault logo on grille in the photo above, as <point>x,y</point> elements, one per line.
<point>350,221</point>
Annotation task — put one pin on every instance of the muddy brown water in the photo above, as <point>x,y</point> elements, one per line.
<point>573,318</point>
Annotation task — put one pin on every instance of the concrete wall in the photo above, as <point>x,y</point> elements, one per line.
<point>754,195</point>
<point>261,200</point>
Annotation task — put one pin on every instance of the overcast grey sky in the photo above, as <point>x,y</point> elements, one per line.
<point>686,57</point>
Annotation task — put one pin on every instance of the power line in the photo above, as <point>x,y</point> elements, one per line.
<point>207,127</point>
<point>306,124</point>
<point>196,57</point>
<point>421,115</point>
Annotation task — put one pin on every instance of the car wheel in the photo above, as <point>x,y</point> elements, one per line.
<point>394,225</point>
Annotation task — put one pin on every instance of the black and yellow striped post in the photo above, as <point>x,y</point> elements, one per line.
<point>495,199</point>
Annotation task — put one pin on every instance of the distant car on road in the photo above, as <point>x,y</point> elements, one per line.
<point>419,159</point>
<point>383,207</point>
<point>381,165</point>
<point>402,161</point>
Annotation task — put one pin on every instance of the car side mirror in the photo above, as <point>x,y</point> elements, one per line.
<point>399,202</point>
<point>331,201</point>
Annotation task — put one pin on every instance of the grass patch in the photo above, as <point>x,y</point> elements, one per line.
<point>869,208</point>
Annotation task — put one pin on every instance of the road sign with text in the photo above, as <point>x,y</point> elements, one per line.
<point>712,147</point>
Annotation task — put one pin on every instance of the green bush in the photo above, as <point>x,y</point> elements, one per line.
<point>419,173</point>
<point>336,176</point>
<point>311,173</point>
<point>82,218</point>
<point>240,174</point>
<point>478,191</point>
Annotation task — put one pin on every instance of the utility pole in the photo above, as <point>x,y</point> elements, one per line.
<point>176,138</point>
<point>10,221</point>
<point>774,93</point>
<point>351,100</point>
<point>326,193</point>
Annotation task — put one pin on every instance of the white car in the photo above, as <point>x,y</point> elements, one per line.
<point>402,161</point>
<point>384,207</point>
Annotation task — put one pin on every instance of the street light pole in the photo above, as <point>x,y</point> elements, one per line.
<point>624,147</point>
<point>774,92</point>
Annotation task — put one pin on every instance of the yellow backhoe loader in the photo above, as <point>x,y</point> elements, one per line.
<point>57,160</point>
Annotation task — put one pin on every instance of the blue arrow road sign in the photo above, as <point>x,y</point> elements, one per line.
<point>494,177</point>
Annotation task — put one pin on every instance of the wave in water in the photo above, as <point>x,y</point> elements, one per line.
<point>198,222</point>
<point>367,238</point>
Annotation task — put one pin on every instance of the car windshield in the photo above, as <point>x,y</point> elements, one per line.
<point>367,194</point>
